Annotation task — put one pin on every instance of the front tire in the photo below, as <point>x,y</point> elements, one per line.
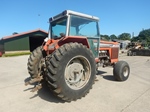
<point>71,71</point>
<point>121,71</point>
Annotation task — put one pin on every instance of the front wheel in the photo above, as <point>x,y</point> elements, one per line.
<point>121,71</point>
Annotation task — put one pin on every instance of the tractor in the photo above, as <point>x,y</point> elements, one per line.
<point>68,59</point>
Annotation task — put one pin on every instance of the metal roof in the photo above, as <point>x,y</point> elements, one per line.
<point>70,12</point>
<point>23,33</point>
<point>81,14</point>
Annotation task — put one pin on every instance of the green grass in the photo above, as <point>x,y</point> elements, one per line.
<point>15,54</point>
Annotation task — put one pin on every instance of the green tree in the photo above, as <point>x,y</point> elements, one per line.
<point>135,39</point>
<point>105,37</point>
<point>113,36</point>
<point>144,35</point>
<point>124,36</point>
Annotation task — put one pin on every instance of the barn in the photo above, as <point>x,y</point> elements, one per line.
<point>26,41</point>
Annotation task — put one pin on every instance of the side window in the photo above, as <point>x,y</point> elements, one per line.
<point>88,29</point>
<point>58,29</point>
<point>73,31</point>
<point>83,26</point>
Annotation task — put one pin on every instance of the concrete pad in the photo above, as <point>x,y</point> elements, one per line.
<point>107,95</point>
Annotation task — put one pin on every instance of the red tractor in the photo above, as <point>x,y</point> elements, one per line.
<point>68,59</point>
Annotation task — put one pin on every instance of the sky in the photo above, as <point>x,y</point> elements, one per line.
<point>116,16</point>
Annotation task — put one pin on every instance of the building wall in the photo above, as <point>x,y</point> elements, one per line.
<point>17,44</point>
<point>23,42</point>
<point>1,48</point>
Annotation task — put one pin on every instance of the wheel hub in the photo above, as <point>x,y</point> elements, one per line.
<point>125,71</point>
<point>77,73</point>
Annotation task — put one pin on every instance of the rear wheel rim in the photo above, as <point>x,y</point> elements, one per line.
<point>77,72</point>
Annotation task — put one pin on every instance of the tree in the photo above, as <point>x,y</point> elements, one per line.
<point>105,37</point>
<point>135,39</point>
<point>113,36</point>
<point>124,36</point>
<point>144,35</point>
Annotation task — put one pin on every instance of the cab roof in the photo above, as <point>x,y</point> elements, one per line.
<point>70,12</point>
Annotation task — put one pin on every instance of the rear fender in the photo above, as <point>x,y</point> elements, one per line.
<point>51,45</point>
<point>78,39</point>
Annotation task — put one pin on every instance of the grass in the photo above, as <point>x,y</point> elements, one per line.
<point>15,54</point>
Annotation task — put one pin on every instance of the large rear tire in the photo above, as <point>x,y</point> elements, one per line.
<point>71,71</point>
<point>34,62</point>
<point>121,71</point>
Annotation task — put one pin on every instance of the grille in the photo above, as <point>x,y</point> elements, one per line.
<point>115,53</point>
